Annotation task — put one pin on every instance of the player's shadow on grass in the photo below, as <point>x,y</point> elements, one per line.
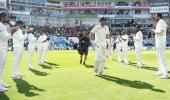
<point>89,66</point>
<point>47,66</point>
<point>92,66</point>
<point>27,89</point>
<point>133,64</point>
<point>39,73</point>
<point>132,84</point>
<point>52,64</point>
<point>151,68</point>
<point>144,66</point>
<point>3,96</point>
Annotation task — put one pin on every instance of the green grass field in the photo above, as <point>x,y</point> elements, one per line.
<point>63,78</point>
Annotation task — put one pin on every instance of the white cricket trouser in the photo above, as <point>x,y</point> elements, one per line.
<point>119,51</point>
<point>100,58</point>
<point>31,51</point>
<point>40,52</point>
<point>125,54</point>
<point>161,55</point>
<point>45,50</point>
<point>138,50</point>
<point>3,58</point>
<point>18,52</point>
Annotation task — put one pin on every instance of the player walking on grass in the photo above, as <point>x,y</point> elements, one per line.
<point>100,31</point>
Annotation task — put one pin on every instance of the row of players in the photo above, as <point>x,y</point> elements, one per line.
<point>39,41</point>
<point>121,44</point>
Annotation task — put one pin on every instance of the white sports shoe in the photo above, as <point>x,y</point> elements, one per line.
<point>31,68</point>
<point>164,77</point>
<point>40,63</point>
<point>16,77</point>
<point>126,63</point>
<point>2,89</point>
<point>2,84</point>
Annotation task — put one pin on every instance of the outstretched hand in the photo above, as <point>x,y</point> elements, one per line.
<point>152,31</point>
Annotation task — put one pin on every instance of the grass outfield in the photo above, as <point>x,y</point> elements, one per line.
<point>65,79</point>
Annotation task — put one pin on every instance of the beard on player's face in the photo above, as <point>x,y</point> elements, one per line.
<point>102,23</point>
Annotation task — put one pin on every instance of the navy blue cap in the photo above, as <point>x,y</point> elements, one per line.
<point>102,19</point>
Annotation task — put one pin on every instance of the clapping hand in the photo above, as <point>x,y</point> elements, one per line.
<point>152,31</point>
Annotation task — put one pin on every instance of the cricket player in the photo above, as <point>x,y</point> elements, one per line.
<point>160,42</point>
<point>124,38</point>
<point>119,47</point>
<point>18,45</point>
<point>138,38</point>
<point>31,47</point>
<point>100,31</point>
<point>4,36</point>
<point>46,44</point>
<point>40,41</point>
